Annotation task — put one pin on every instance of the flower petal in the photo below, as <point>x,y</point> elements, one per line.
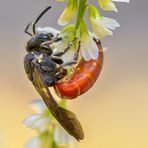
<point>38,105</point>
<point>107,5</point>
<point>61,137</point>
<point>68,13</point>
<point>110,23</point>
<point>99,29</point>
<point>93,49</point>
<point>97,23</point>
<point>33,143</point>
<point>31,120</point>
<point>85,52</point>
<point>127,1</point>
<point>48,30</point>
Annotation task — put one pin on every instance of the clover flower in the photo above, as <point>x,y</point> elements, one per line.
<point>102,26</point>
<point>48,30</point>
<point>88,47</point>
<point>68,13</point>
<point>68,36</point>
<point>50,133</point>
<point>109,5</point>
<point>72,38</point>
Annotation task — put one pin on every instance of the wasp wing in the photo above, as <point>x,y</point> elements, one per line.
<point>66,118</point>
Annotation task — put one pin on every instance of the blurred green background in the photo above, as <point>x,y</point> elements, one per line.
<point>114,113</point>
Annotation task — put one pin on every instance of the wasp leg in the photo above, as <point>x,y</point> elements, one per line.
<point>57,60</point>
<point>69,63</point>
<point>57,39</point>
<point>75,59</point>
<point>65,50</point>
<point>27,65</point>
<point>46,44</point>
<point>60,73</point>
<point>76,55</point>
<point>62,52</point>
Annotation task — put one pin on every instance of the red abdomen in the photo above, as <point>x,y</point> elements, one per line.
<point>82,79</point>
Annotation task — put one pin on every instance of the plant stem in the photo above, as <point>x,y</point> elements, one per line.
<point>81,12</point>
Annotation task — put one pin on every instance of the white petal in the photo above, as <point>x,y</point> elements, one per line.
<point>93,49</point>
<point>67,15</point>
<point>33,143</point>
<point>111,6</point>
<point>59,46</point>
<point>61,136</point>
<point>99,28</point>
<point>85,52</point>
<point>108,32</point>
<point>38,105</point>
<point>127,1</point>
<point>37,122</point>
<point>42,124</point>
<point>110,23</point>
<point>69,55</point>
<point>103,31</point>
<point>108,5</point>
<point>48,30</point>
<point>105,49</point>
<point>31,120</point>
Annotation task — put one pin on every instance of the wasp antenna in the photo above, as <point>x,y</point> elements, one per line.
<point>38,18</point>
<point>27,27</point>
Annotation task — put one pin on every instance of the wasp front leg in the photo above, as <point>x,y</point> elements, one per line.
<point>75,58</point>
<point>28,66</point>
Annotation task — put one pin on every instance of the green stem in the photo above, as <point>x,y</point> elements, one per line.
<point>81,12</point>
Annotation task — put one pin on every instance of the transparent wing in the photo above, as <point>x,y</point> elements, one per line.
<point>66,118</point>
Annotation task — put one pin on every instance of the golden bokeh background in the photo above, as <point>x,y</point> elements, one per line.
<point>114,113</point>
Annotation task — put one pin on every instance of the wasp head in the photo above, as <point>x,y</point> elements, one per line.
<point>35,43</point>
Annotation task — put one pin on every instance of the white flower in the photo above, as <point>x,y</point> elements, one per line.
<point>69,54</point>
<point>38,121</point>
<point>50,133</point>
<point>62,138</point>
<point>68,13</point>
<point>33,143</point>
<point>69,42</point>
<point>38,106</point>
<point>109,5</point>
<point>48,30</point>
<point>88,47</point>
<point>102,26</point>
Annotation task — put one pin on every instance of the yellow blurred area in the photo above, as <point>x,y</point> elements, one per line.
<point>115,118</point>
<point>114,113</point>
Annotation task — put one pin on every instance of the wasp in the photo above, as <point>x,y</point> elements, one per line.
<point>44,69</point>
